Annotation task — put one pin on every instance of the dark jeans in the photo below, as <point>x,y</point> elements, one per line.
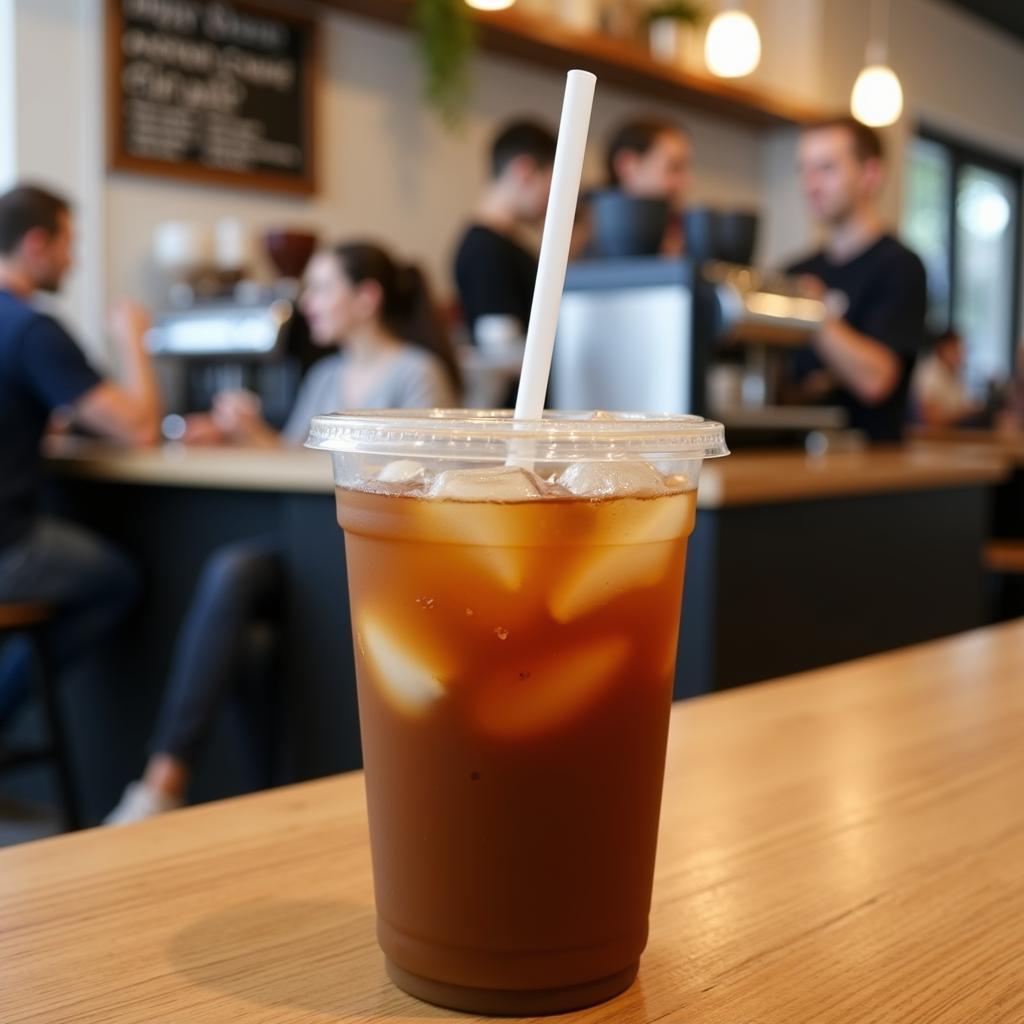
<point>240,584</point>
<point>87,580</point>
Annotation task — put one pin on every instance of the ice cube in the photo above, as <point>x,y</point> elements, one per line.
<point>645,520</point>
<point>612,479</point>
<point>606,574</point>
<point>490,535</point>
<point>402,471</point>
<point>506,566</point>
<point>491,483</point>
<point>525,700</point>
<point>633,546</point>
<point>410,680</point>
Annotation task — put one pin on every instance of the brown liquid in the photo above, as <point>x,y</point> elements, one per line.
<point>514,666</point>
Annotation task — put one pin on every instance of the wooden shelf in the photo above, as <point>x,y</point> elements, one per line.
<point>545,42</point>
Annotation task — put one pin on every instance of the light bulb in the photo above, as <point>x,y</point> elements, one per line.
<point>732,47</point>
<point>983,210</point>
<point>490,5</point>
<point>877,98</point>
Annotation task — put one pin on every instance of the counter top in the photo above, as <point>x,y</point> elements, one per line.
<point>843,847</point>
<point>1006,444</point>
<point>765,478</point>
<point>741,479</point>
<point>176,465</point>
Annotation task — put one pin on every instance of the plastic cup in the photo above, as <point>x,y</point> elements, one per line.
<point>515,655</point>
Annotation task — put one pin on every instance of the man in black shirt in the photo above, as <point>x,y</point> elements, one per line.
<point>874,287</point>
<point>494,270</point>
<point>42,559</point>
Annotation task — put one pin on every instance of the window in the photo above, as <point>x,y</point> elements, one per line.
<point>962,217</point>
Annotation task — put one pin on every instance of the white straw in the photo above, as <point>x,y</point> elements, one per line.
<point>554,246</point>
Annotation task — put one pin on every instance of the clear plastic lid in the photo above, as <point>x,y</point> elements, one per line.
<point>488,435</point>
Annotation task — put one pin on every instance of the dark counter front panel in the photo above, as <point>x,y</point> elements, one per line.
<point>770,589</point>
<point>170,532</point>
<point>777,589</point>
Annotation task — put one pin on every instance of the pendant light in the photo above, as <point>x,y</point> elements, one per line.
<point>877,98</point>
<point>732,46</point>
<point>490,5</point>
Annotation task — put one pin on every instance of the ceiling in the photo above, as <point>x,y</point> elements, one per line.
<point>1007,15</point>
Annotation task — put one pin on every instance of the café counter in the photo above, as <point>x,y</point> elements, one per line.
<point>1007,445</point>
<point>846,847</point>
<point>795,562</point>
<point>742,479</point>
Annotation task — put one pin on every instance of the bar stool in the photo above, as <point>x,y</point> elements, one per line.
<point>30,620</point>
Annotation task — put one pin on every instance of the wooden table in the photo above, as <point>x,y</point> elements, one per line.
<point>842,847</point>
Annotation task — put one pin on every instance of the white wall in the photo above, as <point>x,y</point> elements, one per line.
<point>51,130</point>
<point>389,169</point>
<point>957,72</point>
<point>8,95</point>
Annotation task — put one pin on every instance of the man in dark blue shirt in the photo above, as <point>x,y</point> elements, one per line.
<point>42,370</point>
<point>874,286</point>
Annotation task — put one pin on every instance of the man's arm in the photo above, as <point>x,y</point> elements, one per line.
<point>865,366</point>
<point>130,411</point>
<point>239,417</point>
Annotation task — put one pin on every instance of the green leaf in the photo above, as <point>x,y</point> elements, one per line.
<point>447,41</point>
<point>678,10</point>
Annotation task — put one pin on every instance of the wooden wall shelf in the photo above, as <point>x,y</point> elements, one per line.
<point>545,42</point>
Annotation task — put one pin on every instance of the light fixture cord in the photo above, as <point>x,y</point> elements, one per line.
<point>879,26</point>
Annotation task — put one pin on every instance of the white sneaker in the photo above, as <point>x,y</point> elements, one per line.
<point>138,803</point>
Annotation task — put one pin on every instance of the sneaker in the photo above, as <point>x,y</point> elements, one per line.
<point>138,803</point>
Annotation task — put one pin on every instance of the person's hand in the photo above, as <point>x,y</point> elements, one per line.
<point>59,423</point>
<point>834,301</point>
<point>201,429</point>
<point>238,415</point>
<point>129,322</point>
<point>811,287</point>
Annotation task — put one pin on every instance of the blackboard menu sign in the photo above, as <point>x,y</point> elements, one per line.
<point>217,91</point>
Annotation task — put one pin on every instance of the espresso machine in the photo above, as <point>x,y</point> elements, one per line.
<point>248,341</point>
<point>220,330</point>
<point>762,319</point>
<point>658,334</point>
<point>703,333</point>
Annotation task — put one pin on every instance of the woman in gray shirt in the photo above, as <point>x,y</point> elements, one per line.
<point>393,350</point>
<point>393,354</point>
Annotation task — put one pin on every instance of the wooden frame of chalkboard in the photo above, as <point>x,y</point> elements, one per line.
<point>303,36</point>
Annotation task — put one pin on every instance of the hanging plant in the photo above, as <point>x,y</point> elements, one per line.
<point>675,10</point>
<point>669,25</point>
<point>446,43</point>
